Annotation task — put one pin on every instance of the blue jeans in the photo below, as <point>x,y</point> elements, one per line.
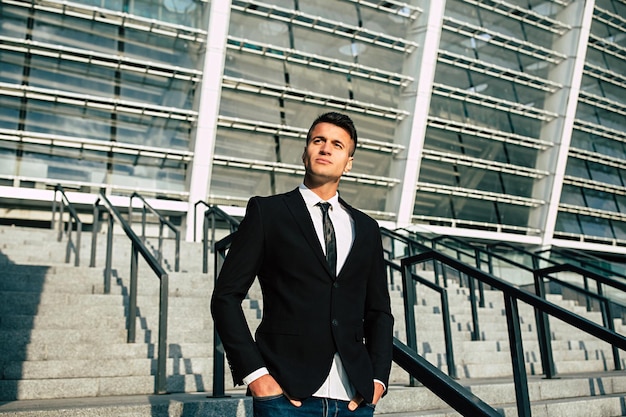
<point>279,406</point>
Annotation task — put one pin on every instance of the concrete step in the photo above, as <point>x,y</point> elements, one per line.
<point>593,395</point>
<point>71,368</point>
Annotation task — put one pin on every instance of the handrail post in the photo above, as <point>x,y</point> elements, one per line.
<point>472,295</point>
<point>61,212</point>
<point>218,347</point>
<point>79,230</point>
<point>205,244</point>
<point>517,356</point>
<point>409,310</point>
<point>143,223</point>
<point>94,234</point>
<point>607,319</point>
<point>447,331</point>
<point>160,257</point>
<point>54,209</point>
<point>161,375</point>
<point>68,247</point>
<point>543,332</point>
<point>109,256</point>
<point>177,253</point>
<point>132,296</point>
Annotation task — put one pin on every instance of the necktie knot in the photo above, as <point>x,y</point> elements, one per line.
<point>329,237</point>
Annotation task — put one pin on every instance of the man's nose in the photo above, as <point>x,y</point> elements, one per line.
<point>326,148</point>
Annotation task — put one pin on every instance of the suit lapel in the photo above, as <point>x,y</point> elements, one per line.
<point>297,207</point>
<point>359,238</point>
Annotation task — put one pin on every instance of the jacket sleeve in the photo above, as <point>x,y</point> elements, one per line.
<point>235,279</point>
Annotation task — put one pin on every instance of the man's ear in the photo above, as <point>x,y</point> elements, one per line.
<point>348,167</point>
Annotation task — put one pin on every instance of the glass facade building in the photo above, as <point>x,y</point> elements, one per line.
<point>501,120</point>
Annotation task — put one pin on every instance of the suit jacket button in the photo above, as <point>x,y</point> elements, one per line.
<point>335,322</point>
<point>336,285</point>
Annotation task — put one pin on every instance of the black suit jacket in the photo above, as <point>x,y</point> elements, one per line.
<point>308,314</point>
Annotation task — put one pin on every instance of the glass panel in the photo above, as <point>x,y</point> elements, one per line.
<point>577,168</point>
<point>568,223</point>
<point>433,172</point>
<point>256,68</point>
<point>250,106</point>
<point>12,68</point>
<point>391,24</point>
<point>371,163</point>
<point>374,128</point>
<point>173,51</point>
<point>239,183</point>
<point>513,215</point>
<point>429,204</point>
<point>363,196</point>
<point>333,10</point>
<point>599,200</point>
<point>8,160</point>
<point>378,93</point>
<point>142,176</point>
<point>475,210</point>
<point>621,203</point>
<point>160,91</point>
<point>261,30</point>
<point>9,112</point>
<point>479,179</point>
<point>593,226</point>
<point>291,149</point>
<point>13,22</point>
<point>572,195</point>
<point>604,173</point>
<point>325,82</point>
<point>242,144</point>
<point>71,76</point>
<point>65,165</point>
<point>619,228</point>
<point>74,32</point>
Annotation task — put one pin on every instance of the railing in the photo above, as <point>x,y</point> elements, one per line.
<point>211,216</point>
<point>604,302</point>
<point>138,247</point>
<point>541,274</point>
<point>450,391</point>
<point>218,349</point>
<point>162,222</point>
<point>72,223</point>
<point>512,295</point>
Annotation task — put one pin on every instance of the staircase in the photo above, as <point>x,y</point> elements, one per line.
<point>63,347</point>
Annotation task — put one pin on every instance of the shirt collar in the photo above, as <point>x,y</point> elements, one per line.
<point>311,199</point>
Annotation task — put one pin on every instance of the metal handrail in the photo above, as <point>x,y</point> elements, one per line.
<point>410,298</point>
<point>540,273</point>
<point>512,295</point>
<point>195,209</point>
<point>73,217</point>
<point>451,392</point>
<point>162,221</point>
<point>210,216</point>
<point>585,260</point>
<point>138,247</point>
<point>218,349</point>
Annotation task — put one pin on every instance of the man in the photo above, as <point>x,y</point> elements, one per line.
<point>324,345</point>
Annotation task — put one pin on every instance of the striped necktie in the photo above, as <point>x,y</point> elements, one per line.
<point>329,238</point>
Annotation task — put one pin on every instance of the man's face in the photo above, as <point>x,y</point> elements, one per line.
<point>327,156</point>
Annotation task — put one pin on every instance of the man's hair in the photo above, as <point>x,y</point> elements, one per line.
<point>338,119</point>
